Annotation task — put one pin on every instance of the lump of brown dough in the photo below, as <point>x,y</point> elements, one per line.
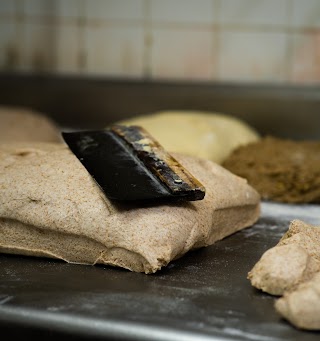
<point>24,124</point>
<point>301,307</point>
<point>281,170</point>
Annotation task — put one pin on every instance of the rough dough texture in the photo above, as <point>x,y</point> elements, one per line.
<point>296,258</point>
<point>281,268</point>
<point>291,269</point>
<point>305,235</point>
<point>280,170</point>
<point>23,124</point>
<point>50,206</point>
<point>302,306</point>
<point>208,135</point>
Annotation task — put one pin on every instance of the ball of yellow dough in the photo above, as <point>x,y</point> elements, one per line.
<point>208,135</point>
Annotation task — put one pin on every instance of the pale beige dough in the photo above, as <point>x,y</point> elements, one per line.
<point>296,258</point>
<point>24,124</point>
<point>302,306</point>
<point>291,269</point>
<point>208,135</point>
<point>281,268</point>
<point>50,206</point>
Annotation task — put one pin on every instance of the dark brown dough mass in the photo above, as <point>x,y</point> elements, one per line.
<point>279,169</point>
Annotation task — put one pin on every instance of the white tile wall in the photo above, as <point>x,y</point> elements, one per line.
<point>182,54</point>
<point>219,40</point>
<point>7,43</point>
<point>7,7</point>
<point>256,56</point>
<point>306,58</point>
<point>183,11</point>
<point>115,51</point>
<point>70,8</point>
<point>38,47</point>
<point>255,12</point>
<point>67,49</point>
<point>114,9</point>
<point>40,7</point>
<point>306,14</point>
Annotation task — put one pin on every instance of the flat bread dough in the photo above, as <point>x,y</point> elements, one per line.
<point>208,135</point>
<point>24,124</point>
<point>51,207</point>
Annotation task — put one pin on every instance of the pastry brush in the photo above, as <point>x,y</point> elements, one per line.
<point>129,164</point>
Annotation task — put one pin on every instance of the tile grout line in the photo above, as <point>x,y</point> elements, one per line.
<point>81,26</point>
<point>19,23</point>
<point>147,41</point>
<point>217,31</point>
<point>289,48</point>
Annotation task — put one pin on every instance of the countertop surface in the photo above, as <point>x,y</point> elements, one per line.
<point>205,295</point>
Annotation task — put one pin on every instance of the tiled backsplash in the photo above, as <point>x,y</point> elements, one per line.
<point>275,41</point>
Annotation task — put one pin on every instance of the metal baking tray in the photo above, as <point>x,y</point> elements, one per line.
<point>205,295</point>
